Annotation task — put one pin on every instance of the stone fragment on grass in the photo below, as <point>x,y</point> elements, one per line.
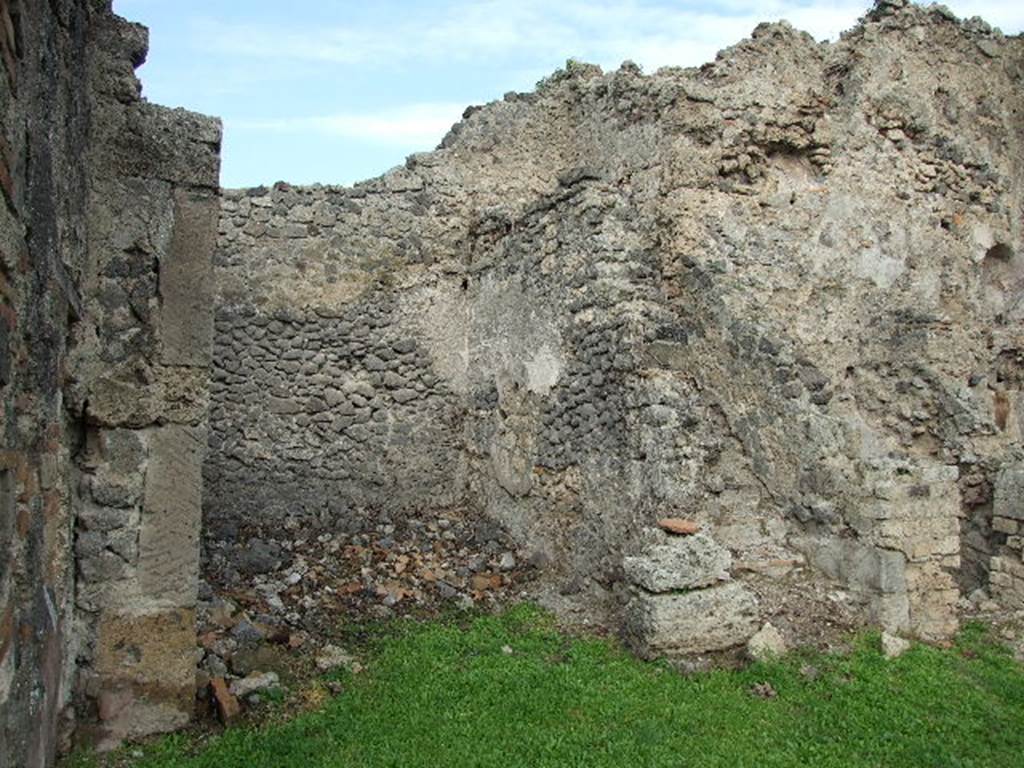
<point>332,657</point>
<point>763,690</point>
<point>893,646</point>
<point>767,644</point>
<point>253,683</point>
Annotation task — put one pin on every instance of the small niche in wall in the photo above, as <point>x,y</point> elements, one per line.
<point>1000,252</point>
<point>1002,282</point>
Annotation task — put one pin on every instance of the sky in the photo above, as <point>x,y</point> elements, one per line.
<point>337,91</point>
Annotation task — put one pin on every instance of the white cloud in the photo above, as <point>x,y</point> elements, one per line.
<point>607,32</point>
<point>597,31</point>
<point>422,125</point>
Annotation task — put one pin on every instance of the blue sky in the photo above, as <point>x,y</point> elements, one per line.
<point>338,91</point>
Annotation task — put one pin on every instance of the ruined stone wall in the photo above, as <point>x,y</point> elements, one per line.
<point>779,295</point>
<point>42,253</point>
<point>106,238</point>
<point>141,391</point>
<point>323,406</point>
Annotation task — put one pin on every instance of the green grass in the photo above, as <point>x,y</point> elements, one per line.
<point>445,694</point>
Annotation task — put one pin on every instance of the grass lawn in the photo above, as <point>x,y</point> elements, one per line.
<point>449,694</point>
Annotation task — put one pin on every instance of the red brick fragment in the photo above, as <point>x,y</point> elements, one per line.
<point>228,707</point>
<point>679,526</point>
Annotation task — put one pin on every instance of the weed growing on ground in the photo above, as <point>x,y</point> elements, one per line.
<point>510,690</point>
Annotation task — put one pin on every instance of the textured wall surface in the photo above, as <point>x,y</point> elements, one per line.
<point>140,390</point>
<point>780,294</point>
<point>106,239</point>
<point>42,253</point>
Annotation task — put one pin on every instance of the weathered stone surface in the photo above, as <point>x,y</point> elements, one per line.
<point>1008,499</point>
<point>150,141</point>
<point>80,245</point>
<point>768,643</point>
<point>669,563</point>
<point>186,281</point>
<point>140,383</point>
<point>146,665</point>
<point>781,292</point>
<point>692,622</point>
<point>169,527</point>
<point>893,646</point>
<point>44,96</point>
<point>137,380</point>
<point>787,303</point>
<point>1006,577</point>
<point>332,657</point>
<point>253,683</point>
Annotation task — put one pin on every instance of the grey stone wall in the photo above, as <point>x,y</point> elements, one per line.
<point>315,414</point>
<point>107,229</point>
<point>1008,521</point>
<point>142,368</point>
<point>779,295</point>
<point>44,111</point>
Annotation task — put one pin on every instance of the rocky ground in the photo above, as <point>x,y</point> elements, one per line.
<point>293,606</point>
<point>301,600</point>
<point>290,606</point>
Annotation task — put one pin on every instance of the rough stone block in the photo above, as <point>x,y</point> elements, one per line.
<point>894,646</point>
<point>692,622</point>
<point>1011,564</point>
<point>150,141</point>
<point>123,451</point>
<point>676,562</point>
<point>891,612</point>
<point>933,614</point>
<point>146,666</point>
<point>861,566</point>
<point>186,281</point>
<point>228,707</point>
<point>1005,525</point>
<point>1000,579</point>
<point>1008,497</point>
<point>767,644</point>
<point>169,531</point>
<point>112,490</point>
<point>117,398</point>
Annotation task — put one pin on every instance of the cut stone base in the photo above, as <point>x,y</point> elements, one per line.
<point>146,666</point>
<point>691,622</point>
<point>678,562</point>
